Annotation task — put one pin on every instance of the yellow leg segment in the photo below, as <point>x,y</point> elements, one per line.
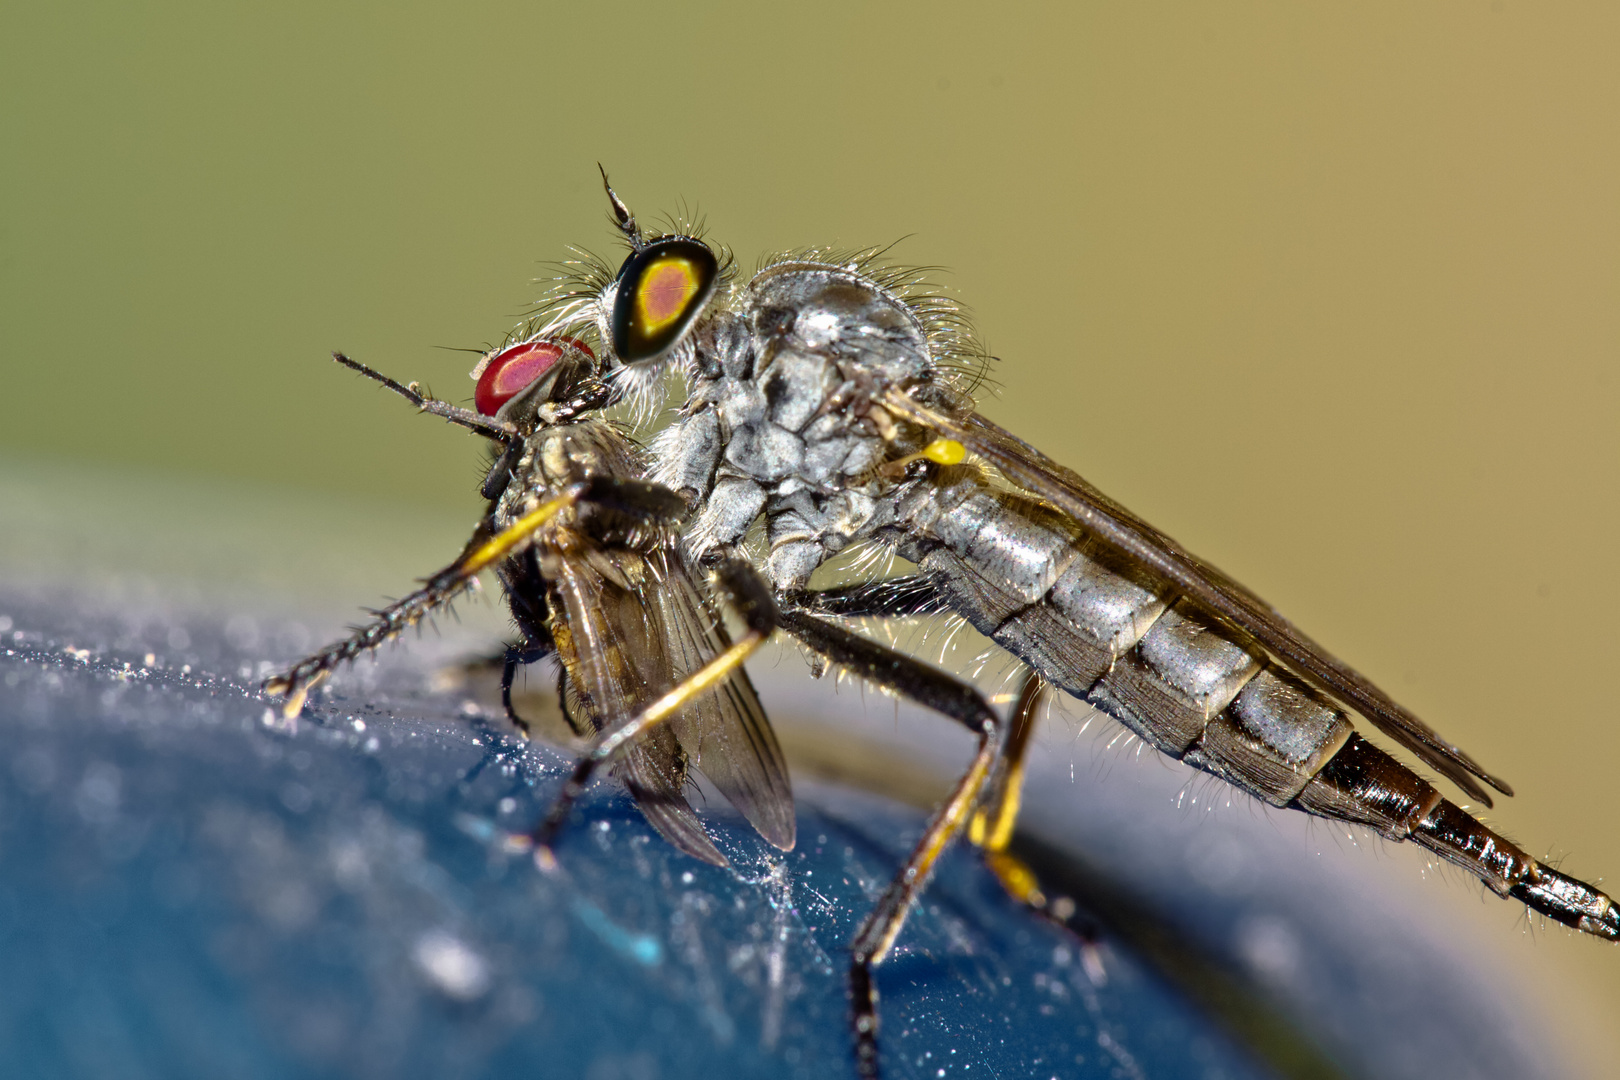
<point>516,534</point>
<point>876,937</point>
<point>686,690</point>
<point>297,681</point>
<point>995,819</point>
<point>609,743</point>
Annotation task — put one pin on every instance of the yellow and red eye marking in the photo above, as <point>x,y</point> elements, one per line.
<point>513,370</point>
<point>665,292</point>
<point>662,288</point>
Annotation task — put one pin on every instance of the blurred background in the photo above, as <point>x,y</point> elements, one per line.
<point>1330,295</point>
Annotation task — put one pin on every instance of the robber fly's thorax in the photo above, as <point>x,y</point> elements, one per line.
<point>783,414</point>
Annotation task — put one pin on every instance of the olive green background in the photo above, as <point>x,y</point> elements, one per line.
<point>1331,293</point>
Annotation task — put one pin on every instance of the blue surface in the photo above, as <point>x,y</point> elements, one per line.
<point>188,887</point>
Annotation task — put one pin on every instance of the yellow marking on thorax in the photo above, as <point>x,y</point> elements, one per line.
<point>940,452</point>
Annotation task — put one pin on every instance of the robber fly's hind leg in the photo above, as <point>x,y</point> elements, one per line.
<point>942,693</point>
<point>991,829</point>
<point>994,822</point>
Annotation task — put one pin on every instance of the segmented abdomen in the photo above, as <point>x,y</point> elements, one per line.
<point>1031,580</point>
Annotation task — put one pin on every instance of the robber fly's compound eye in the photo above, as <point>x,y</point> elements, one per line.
<point>660,290</point>
<point>509,372</point>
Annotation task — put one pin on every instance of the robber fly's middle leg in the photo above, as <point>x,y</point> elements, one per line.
<point>751,597</point>
<point>995,819</point>
<point>945,694</point>
<point>996,816</point>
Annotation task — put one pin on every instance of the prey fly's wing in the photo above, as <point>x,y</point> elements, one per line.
<point>725,732</point>
<point>1214,592</point>
<point>637,624</point>
<point>615,664</point>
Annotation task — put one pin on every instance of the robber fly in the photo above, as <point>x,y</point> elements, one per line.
<point>585,554</point>
<point>830,396</point>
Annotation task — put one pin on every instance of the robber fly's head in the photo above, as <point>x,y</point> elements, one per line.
<point>515,381</point>
<point>659,292</point>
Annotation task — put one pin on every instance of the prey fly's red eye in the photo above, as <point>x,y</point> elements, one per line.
<point>511,371</point>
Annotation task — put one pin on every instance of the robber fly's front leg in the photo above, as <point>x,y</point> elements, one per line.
<point>483,550</point>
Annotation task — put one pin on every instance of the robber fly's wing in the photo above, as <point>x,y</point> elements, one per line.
<point>1214,592</point>
<point>725,731</point>
<point>615,664</point>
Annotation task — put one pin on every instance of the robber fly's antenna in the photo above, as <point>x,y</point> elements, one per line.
<point>622,217</point>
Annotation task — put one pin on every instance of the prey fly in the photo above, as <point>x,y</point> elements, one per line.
<point>584,550</point>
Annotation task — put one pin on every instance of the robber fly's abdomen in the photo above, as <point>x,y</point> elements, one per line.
<point>1032,581</point>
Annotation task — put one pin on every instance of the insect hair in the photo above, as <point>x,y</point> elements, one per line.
<point>960,361</point>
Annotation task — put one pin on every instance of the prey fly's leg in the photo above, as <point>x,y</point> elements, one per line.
<point>516,657</point>
<point>751,598</point>
<point>942,693</point>
<point>526,598</point>
<point>528,605</point>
